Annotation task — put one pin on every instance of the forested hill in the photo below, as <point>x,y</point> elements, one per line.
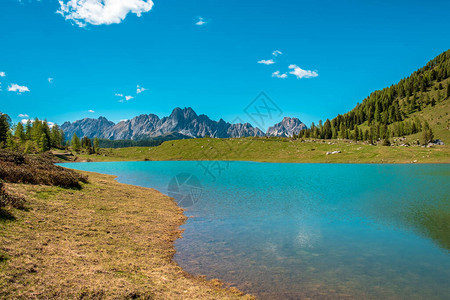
<point>395,110</point>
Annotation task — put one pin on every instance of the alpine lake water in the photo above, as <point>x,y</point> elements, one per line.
<point>293,231</point>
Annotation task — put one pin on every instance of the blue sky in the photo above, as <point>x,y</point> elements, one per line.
<point>334,54</point>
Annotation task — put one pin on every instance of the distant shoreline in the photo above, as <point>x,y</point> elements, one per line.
<point>274,151</point>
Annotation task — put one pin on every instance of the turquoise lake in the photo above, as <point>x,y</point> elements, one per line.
<point>292,231</point>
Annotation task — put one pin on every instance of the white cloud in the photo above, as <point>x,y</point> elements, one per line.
<point>18,88</point>
<point>277,74</point>
<point>25,121</point>
<point>140,89</point>
<point>277,52</point>
<point>2,74</point>
<point>101,12</point>
<point>201,21</point>
<point>119,95</point>
<point>128,97</point>
<point>50,80</point>
<point>91,111</point>
<point>23,116</point>
<point>123,120</point>
<point>266,62</point>
<point>300,73</point>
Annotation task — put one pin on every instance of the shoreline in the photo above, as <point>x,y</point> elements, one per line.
<point>115,240</point>
<point>268,162</point>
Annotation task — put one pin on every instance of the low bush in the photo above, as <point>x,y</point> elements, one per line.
<point>18,168</point>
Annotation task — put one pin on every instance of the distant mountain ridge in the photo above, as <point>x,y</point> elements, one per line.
<point>183,122</point>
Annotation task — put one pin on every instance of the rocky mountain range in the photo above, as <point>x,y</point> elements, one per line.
<point>184,122</point>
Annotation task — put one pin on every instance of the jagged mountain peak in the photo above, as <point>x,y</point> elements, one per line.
<point>183,121</point>
<point>286,128</point>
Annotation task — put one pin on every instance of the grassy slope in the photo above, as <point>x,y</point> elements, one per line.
<point>276,150</point>
<point>108,240</point>
<point>439,119</point>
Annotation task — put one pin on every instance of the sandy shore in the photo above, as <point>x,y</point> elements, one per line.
<point>108,240</point>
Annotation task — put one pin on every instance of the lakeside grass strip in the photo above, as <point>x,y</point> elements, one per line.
<point>106,240</point>
<point>275,150</point>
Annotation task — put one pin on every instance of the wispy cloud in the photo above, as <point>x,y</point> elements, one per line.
<point>91,111</point>
<point>277,52</point>
<point>50,80</point>
<point>23,116</point>
<point>101,12</point>
<point>119,95</point>
<point>2,74</point>
<point>140,89</point>
<point>201,21</point>
<point>266,62</point>
<point>278,74</point>
<point>127,98</point>
<point>18,88</point>
<point>300,73</point>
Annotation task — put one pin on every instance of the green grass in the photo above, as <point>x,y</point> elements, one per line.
<point>275,150</point>
<point>439,119</point>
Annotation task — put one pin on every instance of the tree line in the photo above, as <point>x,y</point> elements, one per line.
<point>33,136</point>
<point>38,136</point>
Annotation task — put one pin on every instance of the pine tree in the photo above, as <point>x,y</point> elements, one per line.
<point>76,144</point>
<point>28,128</point>
<point>19,132</point>
<point>427,135</point>
<point>86,143</point>
<point>44,143</point>
<point>97,144</point>
<point>63,137</point>
<point>356,134</point>
<point>4,130</point>
<point>55,137</point>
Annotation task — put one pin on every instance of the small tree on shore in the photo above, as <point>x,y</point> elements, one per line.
<point>427,135</point>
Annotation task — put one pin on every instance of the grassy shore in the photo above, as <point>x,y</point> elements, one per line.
<point>276,150</point>
<point>105,240</point>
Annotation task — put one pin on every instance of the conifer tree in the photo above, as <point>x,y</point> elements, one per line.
<point>76,144</point>
<point>97,144</point>
<point>4,130</point>
<point>44,143</point>
<point>427,135</point>
<point>19,132</point>
<point>28,127</point>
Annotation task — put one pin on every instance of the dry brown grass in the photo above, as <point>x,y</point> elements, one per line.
<point>107,240</point>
